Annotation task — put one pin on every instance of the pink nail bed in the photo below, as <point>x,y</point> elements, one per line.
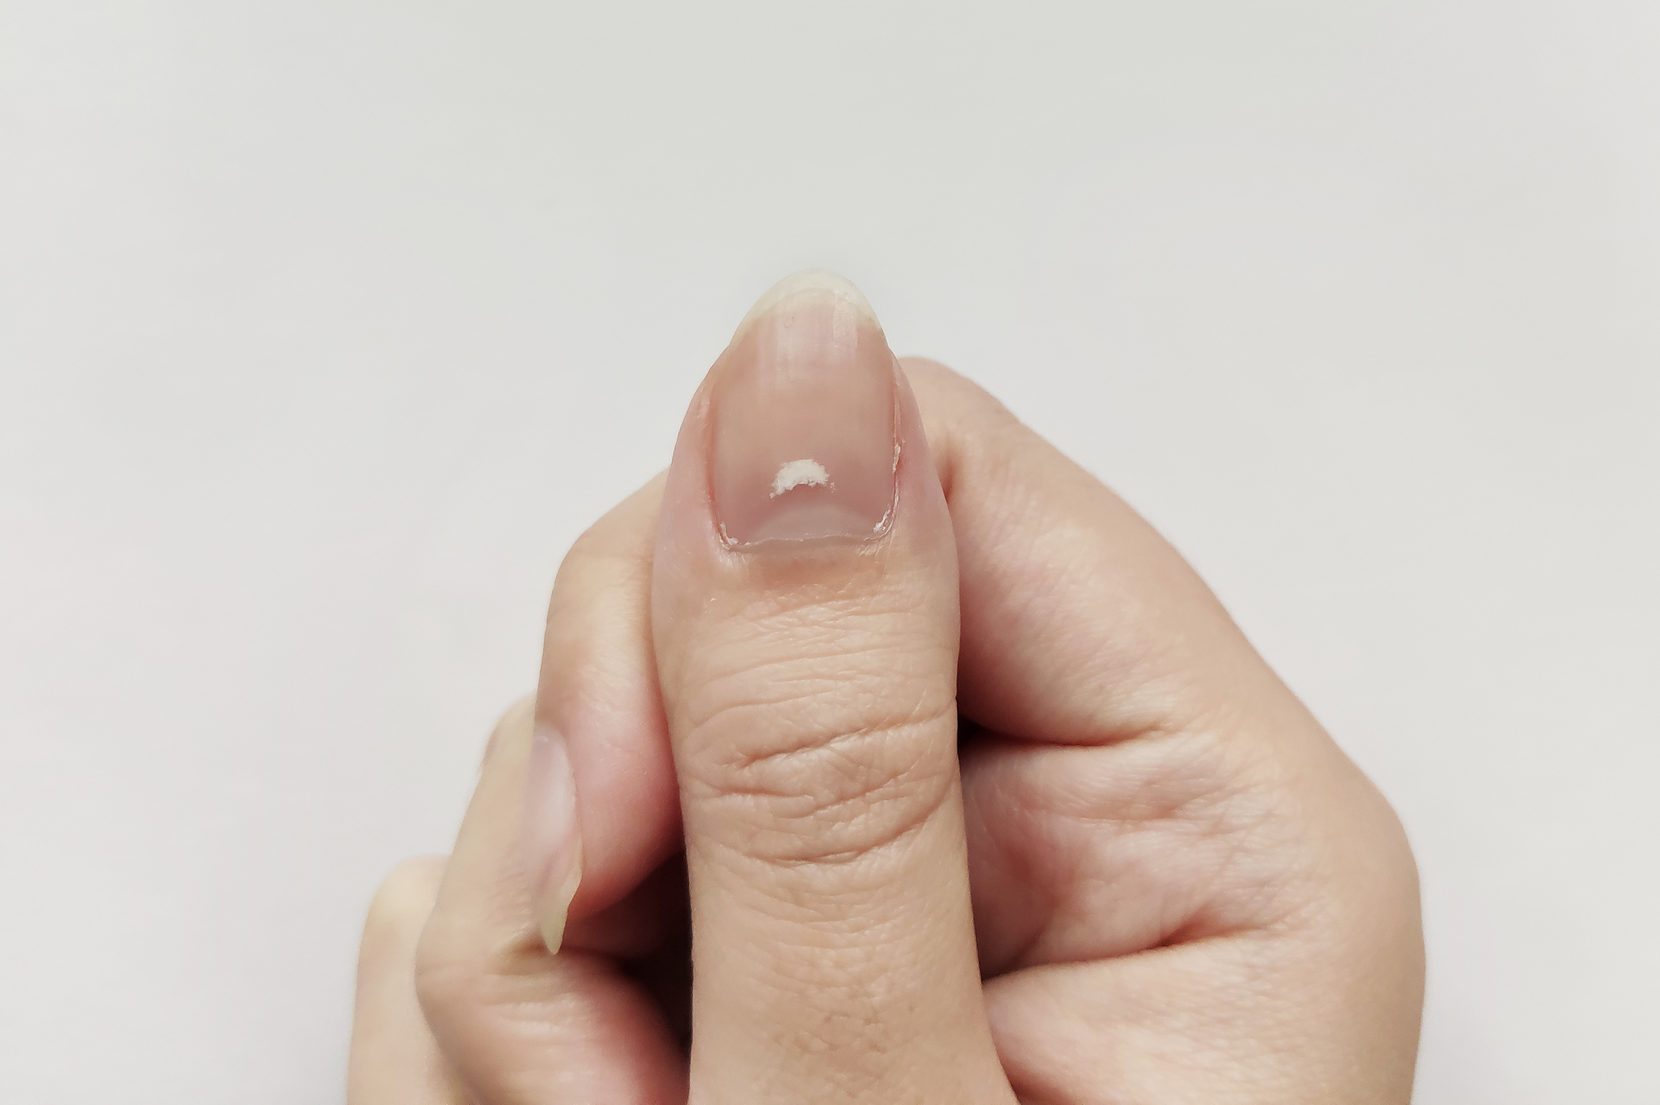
<point>804,444</point>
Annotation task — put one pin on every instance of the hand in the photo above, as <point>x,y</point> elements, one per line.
<point>967,788</point>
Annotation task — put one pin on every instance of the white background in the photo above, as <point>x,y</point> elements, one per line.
<point>325,326</point>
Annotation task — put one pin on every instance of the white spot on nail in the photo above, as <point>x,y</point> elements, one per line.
<point>799,473</point>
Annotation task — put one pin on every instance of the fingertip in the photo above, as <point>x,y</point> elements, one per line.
<point>810,282</point>
<point>552,834</point>
<point>804,618</point>
<point>401,904</point>
<point>598,694</point>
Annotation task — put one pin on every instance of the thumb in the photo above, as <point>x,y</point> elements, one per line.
<point>804,615</point>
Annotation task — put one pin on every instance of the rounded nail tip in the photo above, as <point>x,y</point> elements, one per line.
<point>551,927</point>
<point>553,911</point>
<point>550,832</point>
<point>810,283</point>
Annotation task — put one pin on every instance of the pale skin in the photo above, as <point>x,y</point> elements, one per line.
<point>964,786</point>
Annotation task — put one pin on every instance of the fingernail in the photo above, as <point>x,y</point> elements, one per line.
<point>553,846</point>
<point>804,446</point>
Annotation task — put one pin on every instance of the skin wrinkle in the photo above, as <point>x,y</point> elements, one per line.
<point>722,704</point>
<point>738,725</point>
<point>452,969</point>
<point>922,714</point>
<point>864,780</point>
<point>1178,1031</point>
<point>1107,807</point>
<point>848,623</point>
<point>751,759</point>
<point>1118,836</point>
<point>743,700</point>
<point>1221,828</point>
<point>882,608</point>
<point>1264,977</point>
<point>890,800</point>
<point>861,907</point>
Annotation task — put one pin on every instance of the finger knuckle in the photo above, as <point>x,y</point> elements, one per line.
<point>594,646</point>
<point>1394,877</point>
<point>399,908</point>
<point>449,975</point>
<point>796,762</point>
<point>469,984</point>
<point>512,720</point>
<point>599,552</point>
